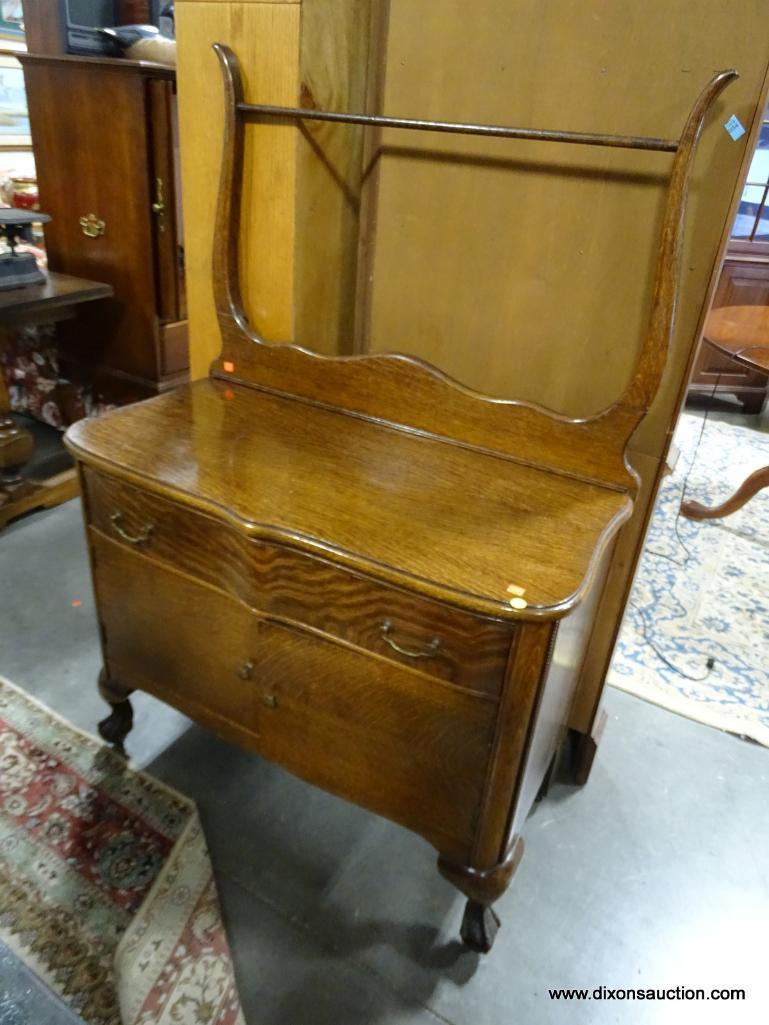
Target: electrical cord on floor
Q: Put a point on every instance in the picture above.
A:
(710, 663)
(663, 658)
(684, 486)
(676, 562)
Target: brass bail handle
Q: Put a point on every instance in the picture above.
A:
(144, 534)
(386, 630)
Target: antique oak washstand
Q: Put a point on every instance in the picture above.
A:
(360, 569)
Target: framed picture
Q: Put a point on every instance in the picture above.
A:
(14, 118)
(11, 21)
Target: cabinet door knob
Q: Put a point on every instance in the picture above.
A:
(92, 226)
(269, 701)
(246, 671)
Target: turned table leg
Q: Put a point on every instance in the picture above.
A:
(116, 727)
(755, 483)
(482, 887)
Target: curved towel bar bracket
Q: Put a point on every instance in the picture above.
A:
(376, 385)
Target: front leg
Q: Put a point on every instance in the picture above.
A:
(116, 727)
(482, 887)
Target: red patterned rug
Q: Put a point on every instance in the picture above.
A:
(106, 889)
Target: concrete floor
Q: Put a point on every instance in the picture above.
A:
(655, 874)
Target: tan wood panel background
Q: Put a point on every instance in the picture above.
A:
(265, 35)
(546, 270)
(334, 65)
(302, 187)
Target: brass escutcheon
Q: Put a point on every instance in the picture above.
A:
(92, 226)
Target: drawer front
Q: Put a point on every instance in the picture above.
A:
(469, 651)
(358, 726)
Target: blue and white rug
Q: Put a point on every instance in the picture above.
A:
(713, 603)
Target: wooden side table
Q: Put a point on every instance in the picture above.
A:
(742, 334)
(54, 300)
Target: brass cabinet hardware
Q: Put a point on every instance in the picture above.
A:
(132, 539)
(246, 671)
(387, 628)
(269, 701)
(159, 206)
(92, 226)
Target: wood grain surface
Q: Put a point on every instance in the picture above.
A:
(282, 582)
(434, 517)
(742, 333)
(59, 292)
(353, 724)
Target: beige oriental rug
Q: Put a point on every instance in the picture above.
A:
(695, 638)
(106, 888)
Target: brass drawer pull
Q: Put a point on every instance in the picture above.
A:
(246, 671)
(132, 539)
(92, 226)
(387, 628)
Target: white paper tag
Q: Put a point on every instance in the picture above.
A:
(734, 127)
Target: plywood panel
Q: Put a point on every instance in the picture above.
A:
(534, 282)
(334, 62)
(266, 38)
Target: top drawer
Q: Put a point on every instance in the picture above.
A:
(470, 651)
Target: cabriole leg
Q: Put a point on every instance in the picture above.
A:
(482, 887)
(116, 727)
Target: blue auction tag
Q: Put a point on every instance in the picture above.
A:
(734, 127)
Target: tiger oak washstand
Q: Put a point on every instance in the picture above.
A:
(358, 568)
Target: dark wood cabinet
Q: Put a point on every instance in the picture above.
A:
(743, 282)
(104, 139)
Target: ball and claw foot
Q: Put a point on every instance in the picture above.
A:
(479, 926)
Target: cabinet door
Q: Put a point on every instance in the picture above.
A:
(89, 129)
